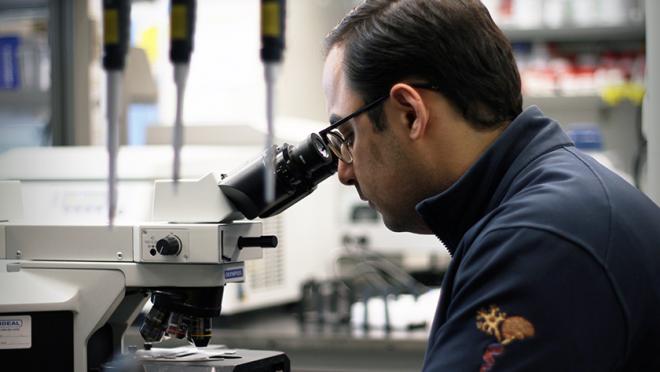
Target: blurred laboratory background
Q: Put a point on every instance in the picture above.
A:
(341, 292)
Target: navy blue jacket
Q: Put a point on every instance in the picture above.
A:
(556, 261)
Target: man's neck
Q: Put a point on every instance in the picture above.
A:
(456, 150)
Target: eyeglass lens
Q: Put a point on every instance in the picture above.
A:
(338, 146)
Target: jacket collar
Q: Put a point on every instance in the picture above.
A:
(451, 213)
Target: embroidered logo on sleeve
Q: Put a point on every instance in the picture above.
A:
(505, 329)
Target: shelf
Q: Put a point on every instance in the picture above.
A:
(578, 34)
(24, 99)
(11, 5)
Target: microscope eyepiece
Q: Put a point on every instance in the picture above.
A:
(310, 154)
(298, 170)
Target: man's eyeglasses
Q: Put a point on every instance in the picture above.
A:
(340, 141)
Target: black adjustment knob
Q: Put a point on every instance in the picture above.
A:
(265, 241)
(169, 246)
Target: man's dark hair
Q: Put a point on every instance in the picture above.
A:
(453, 44)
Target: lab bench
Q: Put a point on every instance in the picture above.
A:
(314, 347)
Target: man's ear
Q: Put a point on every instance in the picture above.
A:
(412, 109)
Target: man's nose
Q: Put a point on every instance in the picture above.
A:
(345, 173)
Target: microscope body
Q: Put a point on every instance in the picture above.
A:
(70, 292)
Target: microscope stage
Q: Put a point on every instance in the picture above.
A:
(214, 358)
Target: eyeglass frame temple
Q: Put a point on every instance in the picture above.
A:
(351, 116)
(371, 105)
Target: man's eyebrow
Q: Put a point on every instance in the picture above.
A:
(334, 118)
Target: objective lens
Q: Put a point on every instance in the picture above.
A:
(153, 327)
(178, 325)
(200, 331)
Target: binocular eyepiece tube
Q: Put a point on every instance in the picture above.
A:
(298, 169)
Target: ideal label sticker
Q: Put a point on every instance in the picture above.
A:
(15, 332)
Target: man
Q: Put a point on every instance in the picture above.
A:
(556, 260)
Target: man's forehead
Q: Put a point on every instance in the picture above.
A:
(335, 86)
(333, 71)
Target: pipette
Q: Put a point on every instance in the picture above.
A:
(272, 48)
(116, 19)
(182, 29)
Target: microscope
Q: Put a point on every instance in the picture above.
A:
(69, 293)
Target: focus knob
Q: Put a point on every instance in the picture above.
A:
(169, 246)
(264, 241)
